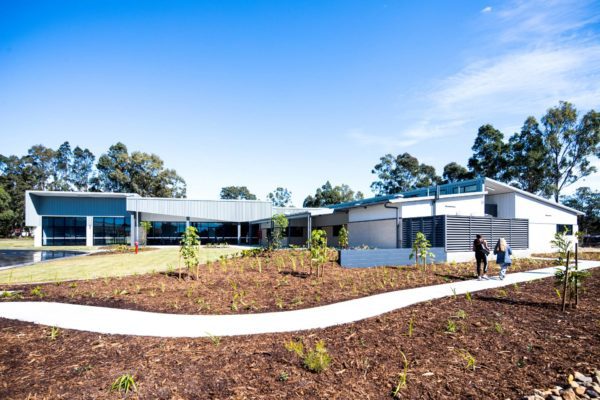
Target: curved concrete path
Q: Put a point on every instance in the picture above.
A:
(141, 323)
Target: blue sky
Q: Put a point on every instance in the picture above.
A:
(288, 93)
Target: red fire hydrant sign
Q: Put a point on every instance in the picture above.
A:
(136, 247)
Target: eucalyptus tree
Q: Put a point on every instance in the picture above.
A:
(280, 197)
(236, 193)
(328, 195)
(571, 144)
(402, 173)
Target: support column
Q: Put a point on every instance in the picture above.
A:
(37, 235)
(308, 230)
(239, 233)
(89, 231)
(134, 229)
(187, 222)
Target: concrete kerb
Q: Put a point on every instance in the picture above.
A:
(128, 322)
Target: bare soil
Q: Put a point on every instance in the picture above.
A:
(517, 336)
(273, 282)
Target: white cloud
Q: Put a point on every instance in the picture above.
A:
(562, 62)
(487, 9)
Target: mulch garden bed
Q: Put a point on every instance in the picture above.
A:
(516, 336)
(272, 282)
(582, 255)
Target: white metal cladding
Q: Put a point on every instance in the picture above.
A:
(213, 210)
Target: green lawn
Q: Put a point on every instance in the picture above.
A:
(99, 266)
(27, 244)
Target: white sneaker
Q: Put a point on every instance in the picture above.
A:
(485, 277)
(479, 278)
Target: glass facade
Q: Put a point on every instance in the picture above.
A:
(63, 231)
(165, 233)
(169, 233)
(111, 230)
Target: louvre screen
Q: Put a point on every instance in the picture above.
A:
(432, 227)
(462, 230)
(456, 233)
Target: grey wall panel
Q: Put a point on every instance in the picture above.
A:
(379, 234)
(339, 218)
(355, 258)
(79, 206)
(214, 210)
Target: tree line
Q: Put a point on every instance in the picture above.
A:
(75, 169)
(542, 158)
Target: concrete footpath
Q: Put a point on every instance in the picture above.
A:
(127, 322)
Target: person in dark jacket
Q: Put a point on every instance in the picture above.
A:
(481, 249)
(503, 253)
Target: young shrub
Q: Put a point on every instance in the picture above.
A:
(343, 238)
(469, 359)
(280, 224)
(562, 244)
(283, 376)
(575, 281)
(146, 226)
(124, 383)
(498, 327)
(296, 347)
(401, 378)
(318, 250)
(420, 249)
(37, 292)
(190, 249)
(451, 326)
(54, 333)
(318, 359)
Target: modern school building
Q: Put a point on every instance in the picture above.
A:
(449, 215)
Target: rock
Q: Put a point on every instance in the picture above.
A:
(554, 397)
(592, 393)
(580, 390)
(574, 384)
(582, 378)
(556, 391)
(597, 376)
(569, 394)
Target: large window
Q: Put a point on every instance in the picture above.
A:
(63, 231)
(218, 232)
(111, 230)
(166, 233)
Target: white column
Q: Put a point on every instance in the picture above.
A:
(37, 235)
(89, 231)
(239, 234)
(134, 229)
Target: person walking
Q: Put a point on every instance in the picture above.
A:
(503, 253)
(481, 249)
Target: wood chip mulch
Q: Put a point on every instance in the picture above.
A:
(517, 337)
(276, 282)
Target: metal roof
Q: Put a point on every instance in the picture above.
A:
(498, 187)
(52, 193)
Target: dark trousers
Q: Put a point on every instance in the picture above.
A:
(481, 258)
